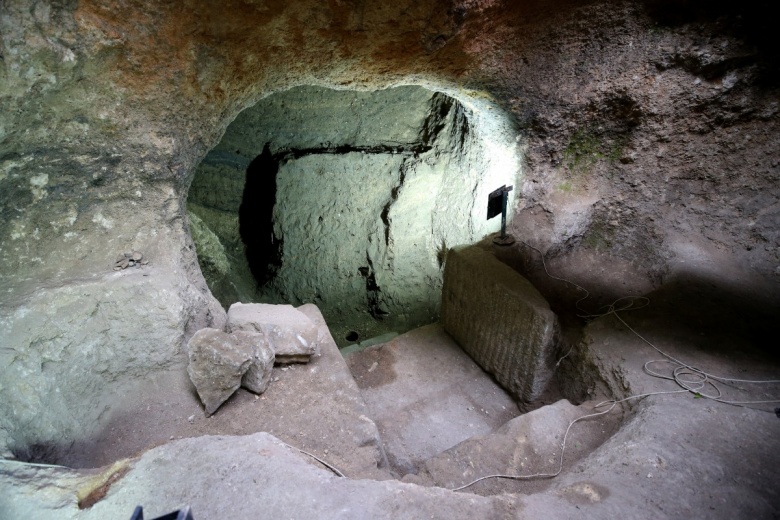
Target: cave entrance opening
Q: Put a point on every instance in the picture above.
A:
(348, 200)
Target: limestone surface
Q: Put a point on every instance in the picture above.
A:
(530, 443)
(673, 457)
(363, 210)
(500, 320)
(426, 395)
(258, 475)
(649, 130)
(290, 333)
(218, 362)
(258, 376)
(58, 371)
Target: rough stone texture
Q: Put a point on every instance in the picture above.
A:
(364, 209)
(316, 120)
(58, 373)
(108, 107)
(316, 407)
(675, 456)
(525, 445)
(258, 376)
(290, 333)
(500, 320)
(212, 256)
(426, 395)
(218, 362)
(258, 475)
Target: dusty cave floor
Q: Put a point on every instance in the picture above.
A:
(665, 456)
(380, 414)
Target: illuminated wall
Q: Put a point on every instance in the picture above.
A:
(348, 200)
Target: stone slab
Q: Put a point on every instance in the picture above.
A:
(426, 395)
(290, 333)
(526, 445)
(500, 320)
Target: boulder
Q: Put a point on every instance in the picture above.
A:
(218, 363)
(258, 376)
(289, 332)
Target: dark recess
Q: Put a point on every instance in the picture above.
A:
(255, 218)
(749, 20)
(373, 292)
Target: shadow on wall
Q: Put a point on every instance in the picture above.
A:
(255, 217)
(728, 315)
(746, 21)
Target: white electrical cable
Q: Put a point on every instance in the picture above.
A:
(544, 265)
(612, 404)
(329, 466)
(683, 372)
(628, 303)
(694, 386)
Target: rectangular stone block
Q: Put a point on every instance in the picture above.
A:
(289, 332)
(500, 320)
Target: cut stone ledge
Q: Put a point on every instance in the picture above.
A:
(500, 320)
(289, 332)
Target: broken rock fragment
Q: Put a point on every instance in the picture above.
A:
(218, 363)
(289, 332)
(258, 376)
(125, 260)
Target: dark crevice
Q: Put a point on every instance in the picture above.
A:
(287, 154)
(385, 215)
(373, 291)
(219, 157)
(437, 118)
(38, 453)
(463, 130)
(255, 217)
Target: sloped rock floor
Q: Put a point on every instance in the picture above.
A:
(664, 456)
(426, 395)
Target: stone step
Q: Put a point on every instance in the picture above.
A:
(426, 395)
(526, 445)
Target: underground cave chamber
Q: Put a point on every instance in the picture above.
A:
(349, 200)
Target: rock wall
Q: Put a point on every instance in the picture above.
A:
(651, 131)
(370, 190)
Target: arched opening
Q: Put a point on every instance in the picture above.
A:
(348, 200)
